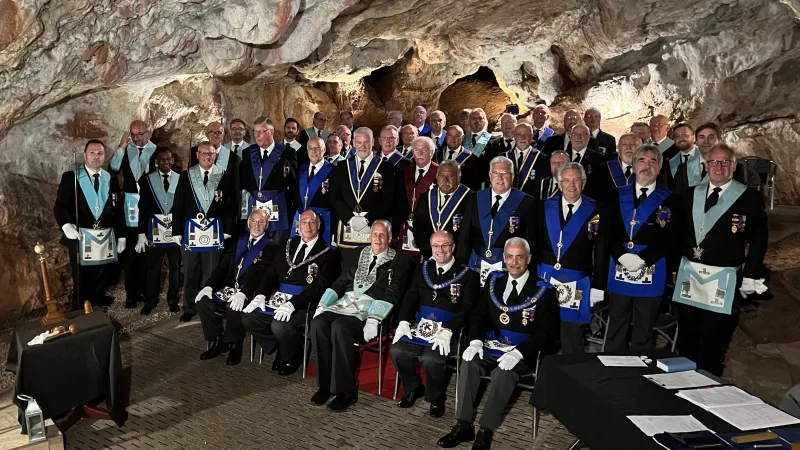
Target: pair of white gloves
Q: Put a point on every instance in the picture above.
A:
(441, 341)
(71, 232)
(508, 361)
(141, 243)
(236, 303)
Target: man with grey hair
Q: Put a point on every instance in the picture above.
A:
(318, 129)
(469, 162)
(530, 165)
(514, 322)
(592, 118)
(394, 118)
(350, 311)
(412, 183)
(563, 141)
(407, 135)
(499, 213)
(478, 138)
(581, 152)
(643, 227)
(419, 116)
(548, 187)
(642, 129)
(573, 253)
(388, 149)
(437, 131)
(314, 187)
(616, 173)
(347, 140)
(659, 127)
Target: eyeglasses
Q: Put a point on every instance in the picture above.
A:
(719, 162)
(500, 174)
(523, 135)
(261, 222)
(138, 135)
(238, 129)
(206, 153)
(214, 133)
(321, 119)
(442, 247)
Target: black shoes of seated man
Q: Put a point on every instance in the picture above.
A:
(320, 397)
(462, 431)
(186, 317)
(215, 348)
(235, 355)
(343, 400)
(483, 441)
(437, 406)
(410, 398)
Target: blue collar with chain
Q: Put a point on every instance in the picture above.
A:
(436, 287)
(530, 301)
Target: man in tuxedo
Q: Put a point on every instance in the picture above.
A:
(314, 187)
(350, 312)
(418, 119)
(412, 183)
(334, 149)
(685, 167)
(471, 166)
(725, 234)
(437, 131)
(227, 160)
(592, 118)
(407, 135)
(290, 286)
(514, 322)
(505, 142)
(643, 255)
(710, 134)
(99, 214)
(347, 139)
(237, 131)
(659, 127)
(318, 129)
(346, 119)
(394, 118)
(563, 141)
(389, 152)
(291, 128)
(642, 129)
(582, 153)
(616, 172)
(437, 304)
(548, 187)
(530, 165)
(573, 256)
(541, 129)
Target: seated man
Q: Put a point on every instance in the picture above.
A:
(515, 320)
(349, 313)
(438, 302)
(234, 281)
(293, 284)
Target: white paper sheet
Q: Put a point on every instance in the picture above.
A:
(621, 361)
(681, 380)
(652, 425)
(720, 396)
(754, 417)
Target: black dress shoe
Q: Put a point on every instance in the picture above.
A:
(342, 401)
(146, 310)
(276, 364)
(437, 406)
(462, 432)
(235, 355)
(483, 440)
(287, 369)
(216, 348)
(320, 397)
(186, 317)
(410, 398)
(174, 308)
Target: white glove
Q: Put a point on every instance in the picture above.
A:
(509, 360)
(71, 231)
(442, 341)
(205, 292)
(475, 348)
(631, 261)
(370, 329)
(39, 339)
(259, 302)
(403, 329)
(141, 243)
(596, 296)
(121, 244)
(318, 311)
(751, 286)
(177, 239)
(226, 236)
(237, 301)
(284, 312)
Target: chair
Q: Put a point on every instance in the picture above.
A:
(599, 325)
(765, 169)
(663, 324)
(306, 339)
(369, 346)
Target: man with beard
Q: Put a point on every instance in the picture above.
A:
(407, 135)
(437, 128)
(541, 129)
(291, 128)
(548, 187)
(453, 150)
(412, 183)
(318, 129)
(615, 173)
(238, 129)
(708, 135)
(419, 116)
(592, 119)
(686, 167)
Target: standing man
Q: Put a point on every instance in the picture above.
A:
(643, 229)
(291, 128)
(314, 189)
(389, 153)
(541, 128)
(318, 129)
(469, 163)
(411, 185)
(407, 135)
(437, 128)
(581, 152)
(548, 187)
(642, 129)
(394, 118)
(563, 141)
(90, 237)
(659, 126)
(133, 159)
(334, 147)
(592, 119)
(573, 254)
(203, 212)
(269, 178)
(530, 165)
(478, 138)
(420, 114)
(504, 143)
(238, 130)
(499, 213)
(346, 119)
(350, 311)
(347, 140)
(463, 122)
(686, 167)
(437, 304)
(156, 231)
(616, 173)
(226, 160)
(725, 237)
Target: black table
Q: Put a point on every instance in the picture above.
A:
(72, 371)
(593, 401)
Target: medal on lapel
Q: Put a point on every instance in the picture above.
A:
(377, 182)
(325, 186)
(113, 199)
(663, 216)
(525, 316)
(217, 196)
(313, 268)
(532, 175)
(391, 272)
(455, 292)
(698, 252)
(594, 226)
(737, 223)
(456, 222)
(513, 224)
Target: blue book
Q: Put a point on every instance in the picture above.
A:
(678, 364)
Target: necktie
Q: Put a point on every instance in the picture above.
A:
(419, 177)
(474, 139)
(450, 154)
(577, 157)
(496, 205)
(166, 182)
(311, 175)
(372, 264)
(251, 243)
(385, 159)
(535, 135)
(569, 213)
(520, 159)
(513, 297)
(236, 148)
(508, 145)
(627, 171)
(140, 150)
(643, 195)
(446, 198)
(96, 182)
(703, 172)
(205, 178)
(441, 271)
(362, 169)
(301, 254)
(685, 159)
(319, 133)
(713, 198)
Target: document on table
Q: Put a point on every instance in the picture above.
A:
(681, 380)
(621, 361)
(651, 425)
(754, 417)
(720, 396)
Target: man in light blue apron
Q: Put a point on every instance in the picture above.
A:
(478, 138)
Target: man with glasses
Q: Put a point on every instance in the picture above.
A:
(437, 130)
(389, 152)
(238, 130)
(563, 141)
(317, 129)
(530, 165)
(548, 187)
(227, 160)
(314, 189)
(616, 173)
(420, 115)
(498, 213)
(431, 316)
(581, 152)
(415, 181)
(723, 248)
(659, 127)
(469, 163)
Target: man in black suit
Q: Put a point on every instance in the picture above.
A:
(290, 286)
(412, 184)
(498, 213)
(643, 255)
(437, 303)
(99, 212)
(333, 149)
(592, 118)
(530, 165)
(617, 172)
(346, 118)
(562, 141)
(642, 129)
(314, 189)
(350, 311)
(233, 284)
(580, 152)
(685, 167)
(268, 177)
(438, 122)
(408, 133)
(238, 130)
(504, 143)
(227, 160)
(203, 217)
(573, 255)
(318, 129)
(347, 140)
(725, 231)
(541, 130)
(548, 187)
(659, 128)
(388, 150)
(472, 168)
(514, 322)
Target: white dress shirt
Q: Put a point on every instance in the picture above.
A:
(266, 151)
(91, 172)
(724, 188)
(520, 284)
(581, 152)
(309, 245)
(503, 197)
(565, 208)
(256, 239)
(446, 266)
(649, 190)
(424, 171)
(317, 167)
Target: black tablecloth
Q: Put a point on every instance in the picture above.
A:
(593, 401)
(69, 371)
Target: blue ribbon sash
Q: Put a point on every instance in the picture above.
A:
(618, 175)
(572, 229)
(261, 172)
(309, 189)
(703, 222)
(164, 199)
(505, 338)
(96, 201)
(283, 294)
(441, 216)
(427, 325)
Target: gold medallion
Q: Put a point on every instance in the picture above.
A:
(259, 194)
(524, 322)
(557, 266)
(504, 319)
(511, 229)
(309, 279)
(357, 209)
(734, 228)
(488, 253)
(630, 245)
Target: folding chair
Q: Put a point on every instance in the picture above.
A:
(600, 321)
(305, 326)
(765, 169)
(663, 324)
(369, 346)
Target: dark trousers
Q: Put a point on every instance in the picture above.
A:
(154, 256)
(211, 319)
(572, 337)
(705, 336)
(434, 365)
(503, 384)
(133, 264)
(334, 337)
(266, 330)
(197, 268)
(92, 283)
(621, 309)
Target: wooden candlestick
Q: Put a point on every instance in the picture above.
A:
(53, 316)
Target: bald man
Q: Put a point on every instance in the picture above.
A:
(541, 127)
(562, 141)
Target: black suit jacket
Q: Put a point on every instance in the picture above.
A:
(556, 142)
(420, 294)
(224, 274)
(543, 329)
(234, 161)
(592, 160)
(423, 228)
(377, 205)
(541, 189)
(472, 175)
(184, 206)
(601, 185)
(392, 292)
(680, 182)
(402, 208)
(608, 142)
(64, 208)
(129, 182)
(401, 165)
(282, 178)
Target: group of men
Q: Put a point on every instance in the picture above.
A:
(499, 246)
